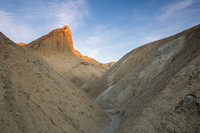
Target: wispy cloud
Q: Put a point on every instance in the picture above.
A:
(151, 38)
(105, 40)
(96, 39)
(169, 10)
(14, 27)
(71, 13)
(91, 52)
(90, 46)
(100, 41)
(50, 15)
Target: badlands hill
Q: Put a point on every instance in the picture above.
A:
(154, 88)
(36, 99)
(57, 49)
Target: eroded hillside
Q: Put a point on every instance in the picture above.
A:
(35, 98)
(154, 88)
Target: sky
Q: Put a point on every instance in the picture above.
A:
(102, 29)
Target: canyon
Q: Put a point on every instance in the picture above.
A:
(48, 86)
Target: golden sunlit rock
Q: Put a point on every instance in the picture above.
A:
(21, 43)
(57, 49)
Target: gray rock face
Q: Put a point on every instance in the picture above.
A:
(154, 88)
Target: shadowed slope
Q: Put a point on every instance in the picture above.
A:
(154, 88)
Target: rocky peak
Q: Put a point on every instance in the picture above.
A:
(21, 43)
(57, 49)
(58, 41)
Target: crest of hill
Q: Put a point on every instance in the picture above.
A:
(154, 88)
(35, 98)
(57, 49)
(58, 41)
(21, 43)
(64, 45)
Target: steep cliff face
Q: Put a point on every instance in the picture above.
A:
(57, 42)
(57, 49)
(154, 88)
(35, 98)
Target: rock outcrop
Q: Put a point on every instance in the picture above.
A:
(21, 43)
(35, 98)
(154, 88)
(57, 49)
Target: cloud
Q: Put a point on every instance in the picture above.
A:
(151, 38)
(43, 18)
(14, 27)
(175, 7)
(91, 52)
(89, 46)
(94, 40)
(101, 42)
(71, 13)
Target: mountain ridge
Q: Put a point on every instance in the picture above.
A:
(154, 88)
(57, 49)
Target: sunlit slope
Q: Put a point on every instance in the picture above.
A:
(57, 49)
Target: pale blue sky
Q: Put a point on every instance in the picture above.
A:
(103, 29)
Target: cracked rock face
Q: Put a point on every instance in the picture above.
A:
(35, 98)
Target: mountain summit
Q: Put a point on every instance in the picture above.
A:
(57, 49)
(58, 41)
(21, 43)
